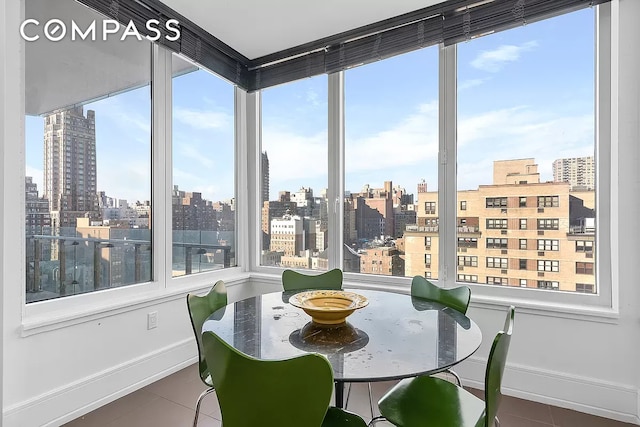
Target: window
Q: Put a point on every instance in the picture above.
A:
(468, 278)
(584, 246)
(202, 214)
(391, 144)
(294, 206)
(496, 202)
(584, 268)
(467, 242)
(427, 275)
(585, 288)
(427, 242)
(463, 205)
(546, 265)
(427, 260)
(548, 224)
(496, 243)
(527, 169)
(87, 203)
(468, 261)
(548, 201)
(545, 284)
(523, 264)
(496, 223)
(548, 245)
(497, 262)
(430, 208)
(523, 283)
(497, 280)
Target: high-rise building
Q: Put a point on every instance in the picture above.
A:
(70, 172)
(517, 231)
(579, 172)
(265, 177)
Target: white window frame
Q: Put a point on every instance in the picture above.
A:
(603, 305)
(61, 312)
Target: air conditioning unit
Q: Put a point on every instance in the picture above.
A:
(540, 232)
(503, 271)
(540, 210)
(540, 253)
(503, 252)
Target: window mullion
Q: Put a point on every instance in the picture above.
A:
(447, 194)
(161, 163)
(335, 163)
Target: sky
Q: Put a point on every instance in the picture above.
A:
(525, 92)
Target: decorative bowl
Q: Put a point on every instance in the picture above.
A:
(327, 307)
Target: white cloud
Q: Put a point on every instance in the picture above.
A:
(517, 133)
(468, 84)
(193, 153)
(494, 60)
(203, 119)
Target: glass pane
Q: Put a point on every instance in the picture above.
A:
(203, 202)
(526, 168)
(88, 160)
(391, 194)
(294, 175)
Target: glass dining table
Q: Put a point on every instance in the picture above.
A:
(395, 336)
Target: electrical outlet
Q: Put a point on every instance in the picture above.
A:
(152, 320)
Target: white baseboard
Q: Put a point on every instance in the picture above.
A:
(59, 406)
(584, 394)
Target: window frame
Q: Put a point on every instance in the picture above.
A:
(601, 303)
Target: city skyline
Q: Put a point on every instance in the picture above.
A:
(493, 123)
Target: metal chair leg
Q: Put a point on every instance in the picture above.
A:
(371, 401)
(346, 400)
(456, 376)
(202, 395)
(497, 422)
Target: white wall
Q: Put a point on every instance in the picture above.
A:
(56, 374)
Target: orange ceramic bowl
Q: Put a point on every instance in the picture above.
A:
(327, 307)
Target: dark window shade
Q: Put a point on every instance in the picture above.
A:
(195, 43)
(351, 53)
(450, 22)
(462, 24)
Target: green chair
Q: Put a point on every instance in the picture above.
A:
(199, 309)
(456, 298)
(428, 401)
(291, 392)
(294, 281)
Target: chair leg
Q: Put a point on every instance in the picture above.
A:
(346, 400)
(497, 422)
(456, 376)
(373, 415)
(202, 395)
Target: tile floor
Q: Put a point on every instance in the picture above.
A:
(170, 402)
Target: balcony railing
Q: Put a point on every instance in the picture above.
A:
(59, 266)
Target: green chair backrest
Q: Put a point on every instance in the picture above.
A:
(199, 309)
(292, 280)
(251, 392)
(495, 369)
(456, 298)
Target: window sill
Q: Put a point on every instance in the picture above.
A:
(52, 318)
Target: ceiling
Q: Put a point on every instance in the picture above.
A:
(256, 28)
